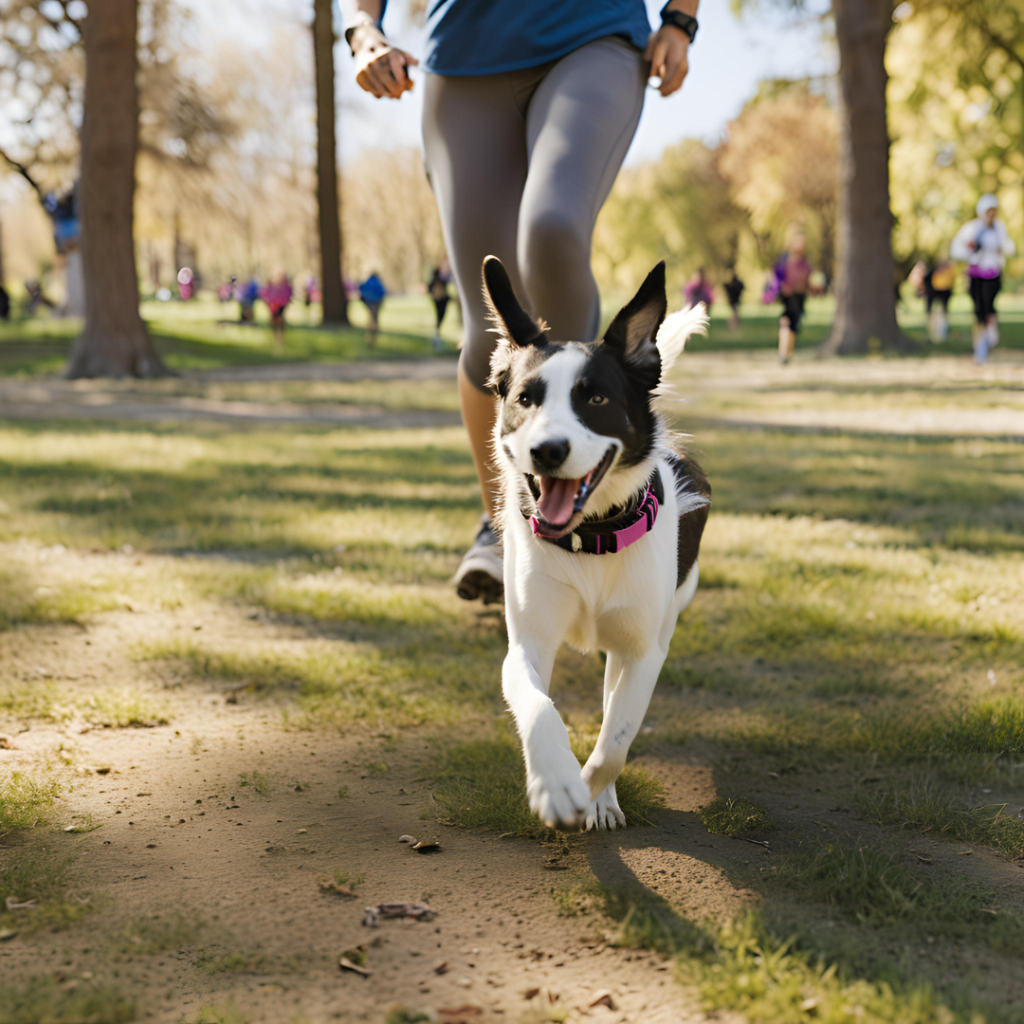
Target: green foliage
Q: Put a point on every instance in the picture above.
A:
(755, 973)
(256, 781)
(45, 998)
(32, 874)
(728, 816)
(937, 810)
(149, 935)
(240, 962)
(24, 802)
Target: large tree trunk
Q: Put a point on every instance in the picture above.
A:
(335, 309)
(865, 285)
(115, 342)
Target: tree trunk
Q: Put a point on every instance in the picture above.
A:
(335, 303)
(115, 342)
(865, 285)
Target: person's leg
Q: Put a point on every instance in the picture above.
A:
(579, 124)
(473, 134)
(991, 291)
(787, 340)
(980, 334)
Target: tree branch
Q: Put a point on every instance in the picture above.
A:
(25, 173)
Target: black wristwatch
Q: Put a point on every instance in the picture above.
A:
(684, 22)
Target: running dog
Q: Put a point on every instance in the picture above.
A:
(602, 519)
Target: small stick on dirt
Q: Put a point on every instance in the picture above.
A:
(347, 965)
(756, 842)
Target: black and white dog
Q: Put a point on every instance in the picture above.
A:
(601, 523)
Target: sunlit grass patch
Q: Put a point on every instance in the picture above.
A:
(110, 708)
(336, 684)
(922, 805)
(24, 802)
(875, 886)
(229, 1014)
(482, 784)
(28, 700)
(31, 874)
(149, 935)
(47, 998)
(239, 962)
(736, 816)
(126, 708)
(753, 972)
(255, 781)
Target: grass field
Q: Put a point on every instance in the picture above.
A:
(202, 334)
(205, 625)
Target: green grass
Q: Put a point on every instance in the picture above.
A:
(752, 972)
(32, 872)
(482, 784)
(55, 1001)
(735, 816)
(148, 936)
(24, 801)
(923, 805)
(255, 781)
(108, 708)
(240, 962)
(202, 335)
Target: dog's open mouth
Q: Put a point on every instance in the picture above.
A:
(560, 498)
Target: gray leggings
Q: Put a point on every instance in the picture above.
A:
(520, 163)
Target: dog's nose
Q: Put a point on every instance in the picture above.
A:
(550, 455)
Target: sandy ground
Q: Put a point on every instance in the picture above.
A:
(878, 401)
(178, 835)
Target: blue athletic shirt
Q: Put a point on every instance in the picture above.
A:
(486, 37)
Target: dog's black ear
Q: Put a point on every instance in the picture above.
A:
(511, 320)
(633, 333)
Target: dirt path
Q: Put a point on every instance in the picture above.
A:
(177, 833)
(940, 396)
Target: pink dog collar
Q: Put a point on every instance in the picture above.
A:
(617, 532)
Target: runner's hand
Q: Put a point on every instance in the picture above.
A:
(380, 68)
(667, 51)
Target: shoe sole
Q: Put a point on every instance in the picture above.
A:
(479, 585)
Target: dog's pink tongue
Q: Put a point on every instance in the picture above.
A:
(556, 499)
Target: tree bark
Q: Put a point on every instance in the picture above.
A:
(335, 302)
(865, 285)
(114, 342)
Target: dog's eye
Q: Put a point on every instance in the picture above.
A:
(598, 400)
(524, 400)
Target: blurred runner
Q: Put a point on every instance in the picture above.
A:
(185, 279)
(277, 294)
(698, 289)
(984, 243)
(792, 282)
(372, 292)
(438, 288)
(734, 289)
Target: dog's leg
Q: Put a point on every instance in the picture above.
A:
(554, 786)
(625, 707)
(604, 811)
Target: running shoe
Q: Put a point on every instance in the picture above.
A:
(480, 574)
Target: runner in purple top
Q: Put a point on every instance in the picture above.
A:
(792, 282)
(984, 243)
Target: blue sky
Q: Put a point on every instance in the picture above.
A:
(727, 61)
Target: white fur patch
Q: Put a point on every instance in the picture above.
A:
(674, 332)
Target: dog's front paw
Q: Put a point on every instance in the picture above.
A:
(604, 812)
(558, 794)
